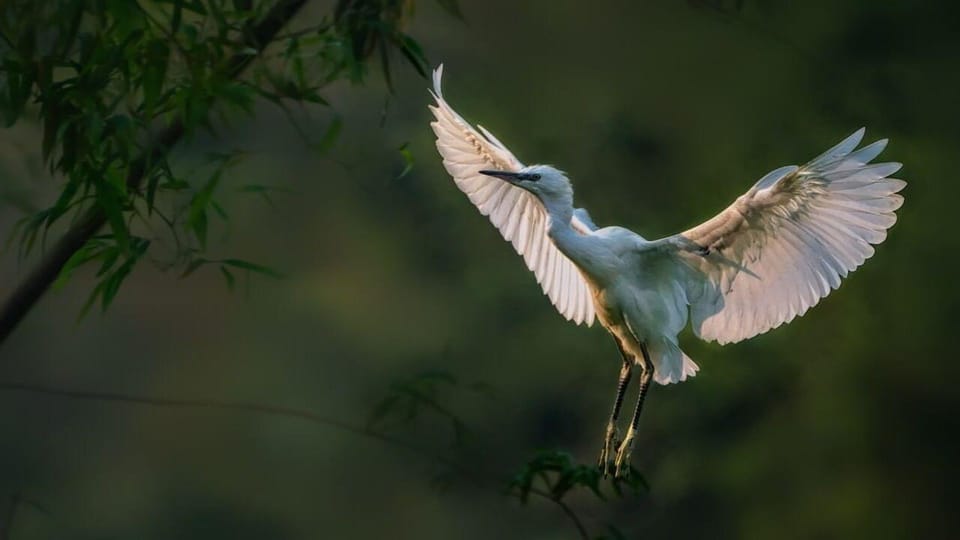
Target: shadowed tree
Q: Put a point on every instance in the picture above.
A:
(116, 86)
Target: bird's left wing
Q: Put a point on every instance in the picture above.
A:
(787, 242)
(517, 214)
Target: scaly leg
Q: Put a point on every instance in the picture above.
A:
(610, 441)
(622, 462)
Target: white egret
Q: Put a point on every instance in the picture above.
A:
(765, 259)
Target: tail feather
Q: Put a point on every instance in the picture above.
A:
(670, 363)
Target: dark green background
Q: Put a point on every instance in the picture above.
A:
(841, 425)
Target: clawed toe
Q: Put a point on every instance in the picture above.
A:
(621, 464)
(608, 452)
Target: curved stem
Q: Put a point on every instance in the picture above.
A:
(573, 517)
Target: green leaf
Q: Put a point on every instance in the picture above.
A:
(385, 65)
(112, 205)
(228, 276)
(70, 190)
(109, 256)
(114, 280)
(253, 267)
(407, 156)
(311, 95)
(452, 7)
(154, 73)
(413, 53)
(176, 17)
(381, 410)
(157, 172)
(107, 288)
(90, 300)
(195, 6)
(29, 227)
(238, 95)
(330, 136)
(193, 266)
(197, 215)
(51, 127)
(262, 191)
(615, 534)
(219, 210)
(90, 251)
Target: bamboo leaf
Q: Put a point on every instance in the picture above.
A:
(408, 161)
(253, 267)
(330, 136)
(193, 266)
(228, 276)
(452, 7)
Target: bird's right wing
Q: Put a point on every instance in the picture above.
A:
(787, 242)
(517, 214)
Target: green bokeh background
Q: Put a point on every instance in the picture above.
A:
(843, 424)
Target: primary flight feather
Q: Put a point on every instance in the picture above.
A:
(764, 260)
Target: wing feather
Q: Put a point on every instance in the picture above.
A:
(517, 214)
(789, 241)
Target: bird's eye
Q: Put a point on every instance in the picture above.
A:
(534, 177)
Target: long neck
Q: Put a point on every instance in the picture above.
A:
(559, 210)
(573, 244)
(588, 252)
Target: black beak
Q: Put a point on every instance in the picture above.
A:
(503, 175)
(512, 177)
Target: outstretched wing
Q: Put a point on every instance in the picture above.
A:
(786, 243)
(517, 214)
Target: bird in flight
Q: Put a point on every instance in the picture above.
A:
(764, 260)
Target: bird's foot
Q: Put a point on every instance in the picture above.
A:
(621, 465)
(608, 452)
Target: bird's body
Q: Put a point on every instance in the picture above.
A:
(636, 295)
(761, 262)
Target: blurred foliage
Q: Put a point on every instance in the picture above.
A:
(103, 77)
(553, 475)
(559, 474)
(407, 398)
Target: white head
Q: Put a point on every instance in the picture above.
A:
(547, 183)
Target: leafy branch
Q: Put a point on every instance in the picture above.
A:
(73, 118)
(116, 86)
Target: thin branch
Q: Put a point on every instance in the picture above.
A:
(271, 410)
(6, 39)
(26, 295)
(571, 514)
(470, 474)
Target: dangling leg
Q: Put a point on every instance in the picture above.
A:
(610, 441)
(622, 462)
